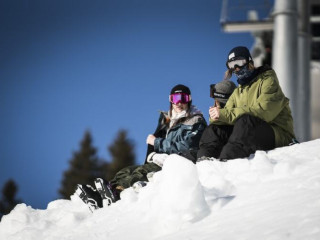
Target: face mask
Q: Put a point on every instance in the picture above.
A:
(244, 72)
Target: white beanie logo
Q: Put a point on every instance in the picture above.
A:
(232, 55)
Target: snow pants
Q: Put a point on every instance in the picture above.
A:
(248, 135)
(127, 176)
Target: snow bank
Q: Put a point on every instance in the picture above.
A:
(272, 195)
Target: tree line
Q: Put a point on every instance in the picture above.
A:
(84, 166)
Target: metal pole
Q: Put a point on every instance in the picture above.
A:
(224, 12)
(303, 87)
(285, 45)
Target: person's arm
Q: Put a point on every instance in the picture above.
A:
(230, 104)
(267, 106)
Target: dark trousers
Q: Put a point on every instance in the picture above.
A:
(127, 176)
(248, 135)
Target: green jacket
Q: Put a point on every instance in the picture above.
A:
(262, 98)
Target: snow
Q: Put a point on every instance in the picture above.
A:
(270, 195)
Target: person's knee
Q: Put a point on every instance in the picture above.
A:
(244, 118)
(247, 119)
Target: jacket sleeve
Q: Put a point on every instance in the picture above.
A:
(189, 139)
(267, 105)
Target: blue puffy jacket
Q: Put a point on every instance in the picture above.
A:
(184, 135)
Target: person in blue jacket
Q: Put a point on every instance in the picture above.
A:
(179, 131)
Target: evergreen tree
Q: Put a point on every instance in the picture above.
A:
(122, 152)
(84, 167)
(8, 201)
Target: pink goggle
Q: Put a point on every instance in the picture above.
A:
(179, 98)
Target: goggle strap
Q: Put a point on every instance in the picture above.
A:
(220, 95)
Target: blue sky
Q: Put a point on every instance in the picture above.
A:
(102, 65)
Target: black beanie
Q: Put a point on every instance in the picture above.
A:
(239, 52)
(180, 89)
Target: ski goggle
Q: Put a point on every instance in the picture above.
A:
(236, 63)
(179, 98)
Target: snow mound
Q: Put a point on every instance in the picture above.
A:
(270, 195)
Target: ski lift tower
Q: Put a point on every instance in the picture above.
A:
(251, 16)
(274, 25)
(242, 16)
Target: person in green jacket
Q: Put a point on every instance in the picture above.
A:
(257, 110)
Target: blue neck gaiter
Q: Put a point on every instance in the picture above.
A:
(244, 75)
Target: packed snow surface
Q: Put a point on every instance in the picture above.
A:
(270, 195)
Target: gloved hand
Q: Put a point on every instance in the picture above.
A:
(149, 158)
(157, 158)
(200, 159)
(203, 158)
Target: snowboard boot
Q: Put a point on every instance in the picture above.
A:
(106, 192)
(89, 196)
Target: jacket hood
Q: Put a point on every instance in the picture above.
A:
(191, 112)
(263, 69)
(192, 116)
(194, 111)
